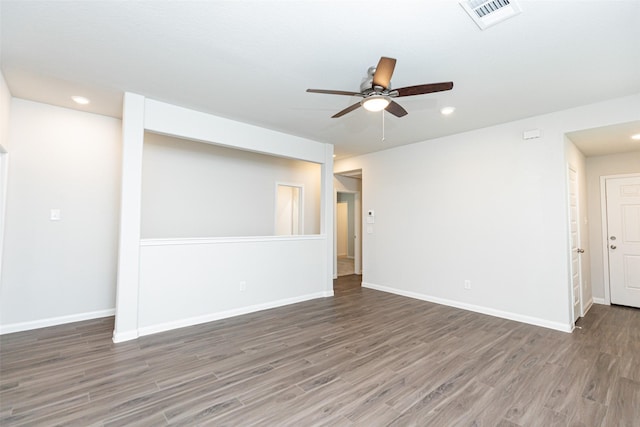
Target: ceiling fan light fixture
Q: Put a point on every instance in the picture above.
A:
(375, 102)
(636, 137)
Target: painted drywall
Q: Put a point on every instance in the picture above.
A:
(484, 206)
(596, 167)
(576, 159)
(5, 108)
(194, 189)
(347, 184)
(186, 282)
(57, 271)
(342, 220)
(5, 114)
(170, 283)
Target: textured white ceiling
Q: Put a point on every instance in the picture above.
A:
(252, 60)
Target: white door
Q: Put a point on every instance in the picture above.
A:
(623, 239)
(576, 251)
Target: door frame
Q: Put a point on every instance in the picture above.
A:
(301, 212)
(581, 310)
(605, 231)
(357, 224)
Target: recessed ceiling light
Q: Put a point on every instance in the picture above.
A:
(636, 137)
(447, 110)
(80, 100)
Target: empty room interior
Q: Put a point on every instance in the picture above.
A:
(320, 213)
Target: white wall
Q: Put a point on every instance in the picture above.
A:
(59, 271)
(194, 189)
(346, 183)
(5, 108)
(185, 282)
(484, 206)
(596, 167)
(576, 159)
(5, 114)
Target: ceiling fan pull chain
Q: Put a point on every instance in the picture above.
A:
(382, 111)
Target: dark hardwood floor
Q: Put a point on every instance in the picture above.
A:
(362, 357)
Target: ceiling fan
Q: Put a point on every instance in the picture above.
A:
(376, 91)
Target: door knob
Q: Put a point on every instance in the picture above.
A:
(613, 246)
(580, 251)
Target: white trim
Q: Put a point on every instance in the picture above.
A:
(574, 169)
(55, 321)
(476, 308)
(605, 234)
(605, 239)
(167, 326)
(124, 336)
(587, 307)
(600, 301)
(219, 240)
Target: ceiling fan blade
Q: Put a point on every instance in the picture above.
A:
(422, 89)
(334, 92)
(346, 110)
(396, 109)
(384, 71)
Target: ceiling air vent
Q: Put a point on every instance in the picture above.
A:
(487, 13)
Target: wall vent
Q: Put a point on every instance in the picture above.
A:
(487, 13)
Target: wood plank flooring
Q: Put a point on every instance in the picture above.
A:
(363, 358)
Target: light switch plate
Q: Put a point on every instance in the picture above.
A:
(55, 215)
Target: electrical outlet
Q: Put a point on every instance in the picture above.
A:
(467, 284)
(243, 286)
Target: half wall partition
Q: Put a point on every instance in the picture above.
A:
(198, 241)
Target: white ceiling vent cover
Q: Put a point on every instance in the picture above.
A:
(487, 13)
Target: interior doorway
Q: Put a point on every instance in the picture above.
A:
(346, 233)
(289, 209)
(348, 224)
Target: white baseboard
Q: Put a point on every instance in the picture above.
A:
(54, 321)
(124, 336)
(600, 301)
(167, 326)
(476, 308)
(587, 306)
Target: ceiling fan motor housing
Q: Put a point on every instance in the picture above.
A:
(367, 83)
